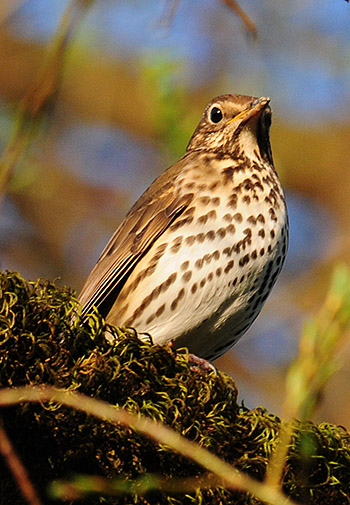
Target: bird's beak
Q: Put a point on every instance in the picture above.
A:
(256, 107)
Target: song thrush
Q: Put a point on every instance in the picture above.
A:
(197, 255)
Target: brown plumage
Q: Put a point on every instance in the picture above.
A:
(198, 253)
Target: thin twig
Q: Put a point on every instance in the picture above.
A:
(37, 100)
(248, 23)
(169, 13)
(17, 469)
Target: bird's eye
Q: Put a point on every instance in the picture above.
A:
(215, 115)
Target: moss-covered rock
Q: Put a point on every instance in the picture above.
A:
(40, 344)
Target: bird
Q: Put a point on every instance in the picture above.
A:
(198, 253)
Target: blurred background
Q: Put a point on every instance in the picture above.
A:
(98, 97)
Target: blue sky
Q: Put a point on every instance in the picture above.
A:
(301, 58)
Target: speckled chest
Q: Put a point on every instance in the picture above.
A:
(212, 269)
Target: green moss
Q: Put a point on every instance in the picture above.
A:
(39, 344)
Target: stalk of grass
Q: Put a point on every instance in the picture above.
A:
(322, 337)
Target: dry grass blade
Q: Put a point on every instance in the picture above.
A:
(231, 477)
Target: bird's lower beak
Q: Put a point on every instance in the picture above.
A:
(256, 107)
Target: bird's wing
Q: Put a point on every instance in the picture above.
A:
(151, 215)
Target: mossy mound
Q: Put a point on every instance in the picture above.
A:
(39, 344)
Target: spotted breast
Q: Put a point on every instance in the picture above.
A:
(197, 255)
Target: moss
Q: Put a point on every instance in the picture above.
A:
(39, 344)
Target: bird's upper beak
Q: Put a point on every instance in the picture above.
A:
(256, 107)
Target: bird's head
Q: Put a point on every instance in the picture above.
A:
(235, 123)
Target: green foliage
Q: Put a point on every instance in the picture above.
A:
(321, 338)
(41, 342)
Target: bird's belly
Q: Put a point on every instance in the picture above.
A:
(204, 285)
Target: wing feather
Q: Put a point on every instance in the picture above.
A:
(152, 214)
